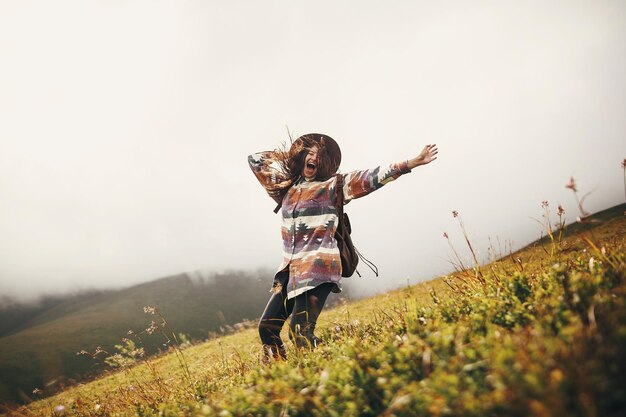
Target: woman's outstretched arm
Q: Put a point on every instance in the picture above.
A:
(360, 183)
(428, 154)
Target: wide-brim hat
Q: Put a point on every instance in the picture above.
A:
(329, 144)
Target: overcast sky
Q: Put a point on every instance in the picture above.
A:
(125, 128)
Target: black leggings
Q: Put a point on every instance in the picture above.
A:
(304, 310)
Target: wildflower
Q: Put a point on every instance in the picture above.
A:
(571, 184)
(591, 263)
(560, 210)
(152, 328)
(455, 214)
(556, 376)
(324, 376)
(400, 402)
(130, 333)
(83, 352)
(96, 407)
(59, 410)
(149, 310)
(544, 204)
(445, 235)
(37, 391)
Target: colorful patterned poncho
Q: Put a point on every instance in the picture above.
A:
(309, 217)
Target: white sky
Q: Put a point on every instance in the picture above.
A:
(125, 127)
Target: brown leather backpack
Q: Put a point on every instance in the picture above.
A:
(349, 254)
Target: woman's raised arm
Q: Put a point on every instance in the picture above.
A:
(360, 183)
(268, 170)
(428, 154)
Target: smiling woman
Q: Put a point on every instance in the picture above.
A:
(316, 153)
(303, 183)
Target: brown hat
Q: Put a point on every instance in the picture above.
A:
(329, 144)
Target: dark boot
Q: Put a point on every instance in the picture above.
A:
(304, 337)
(274, 353)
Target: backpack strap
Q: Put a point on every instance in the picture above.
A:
(279, 199)
(339, 195)
(369, 263)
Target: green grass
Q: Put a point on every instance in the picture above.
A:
(542, 333)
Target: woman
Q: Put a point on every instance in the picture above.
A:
(302, 181)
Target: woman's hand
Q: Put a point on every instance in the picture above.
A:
(428, 154)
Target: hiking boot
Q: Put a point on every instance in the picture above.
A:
(274, 353)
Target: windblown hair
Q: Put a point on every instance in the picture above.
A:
(292, 160)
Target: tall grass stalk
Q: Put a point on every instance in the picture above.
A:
(477, 270)
(546, 224)
(624, 169)
(571, 184)
(165, 332)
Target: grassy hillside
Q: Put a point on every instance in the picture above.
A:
(538, 333)
(15, 314)
(43, 350)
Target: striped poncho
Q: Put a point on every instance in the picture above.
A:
(309, 218)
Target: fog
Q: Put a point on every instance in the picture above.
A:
(125, 129)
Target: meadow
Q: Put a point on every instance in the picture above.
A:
(538, 332)
(40, 350)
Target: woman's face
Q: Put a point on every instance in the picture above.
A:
(311, 162)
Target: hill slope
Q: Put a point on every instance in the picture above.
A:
(542, 333)
(44, 348)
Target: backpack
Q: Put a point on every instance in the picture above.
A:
(349, 254)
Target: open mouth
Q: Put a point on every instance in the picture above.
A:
(311, 165)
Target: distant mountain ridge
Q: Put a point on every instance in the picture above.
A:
(16, 314)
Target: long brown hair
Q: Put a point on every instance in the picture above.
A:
(292, 160)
